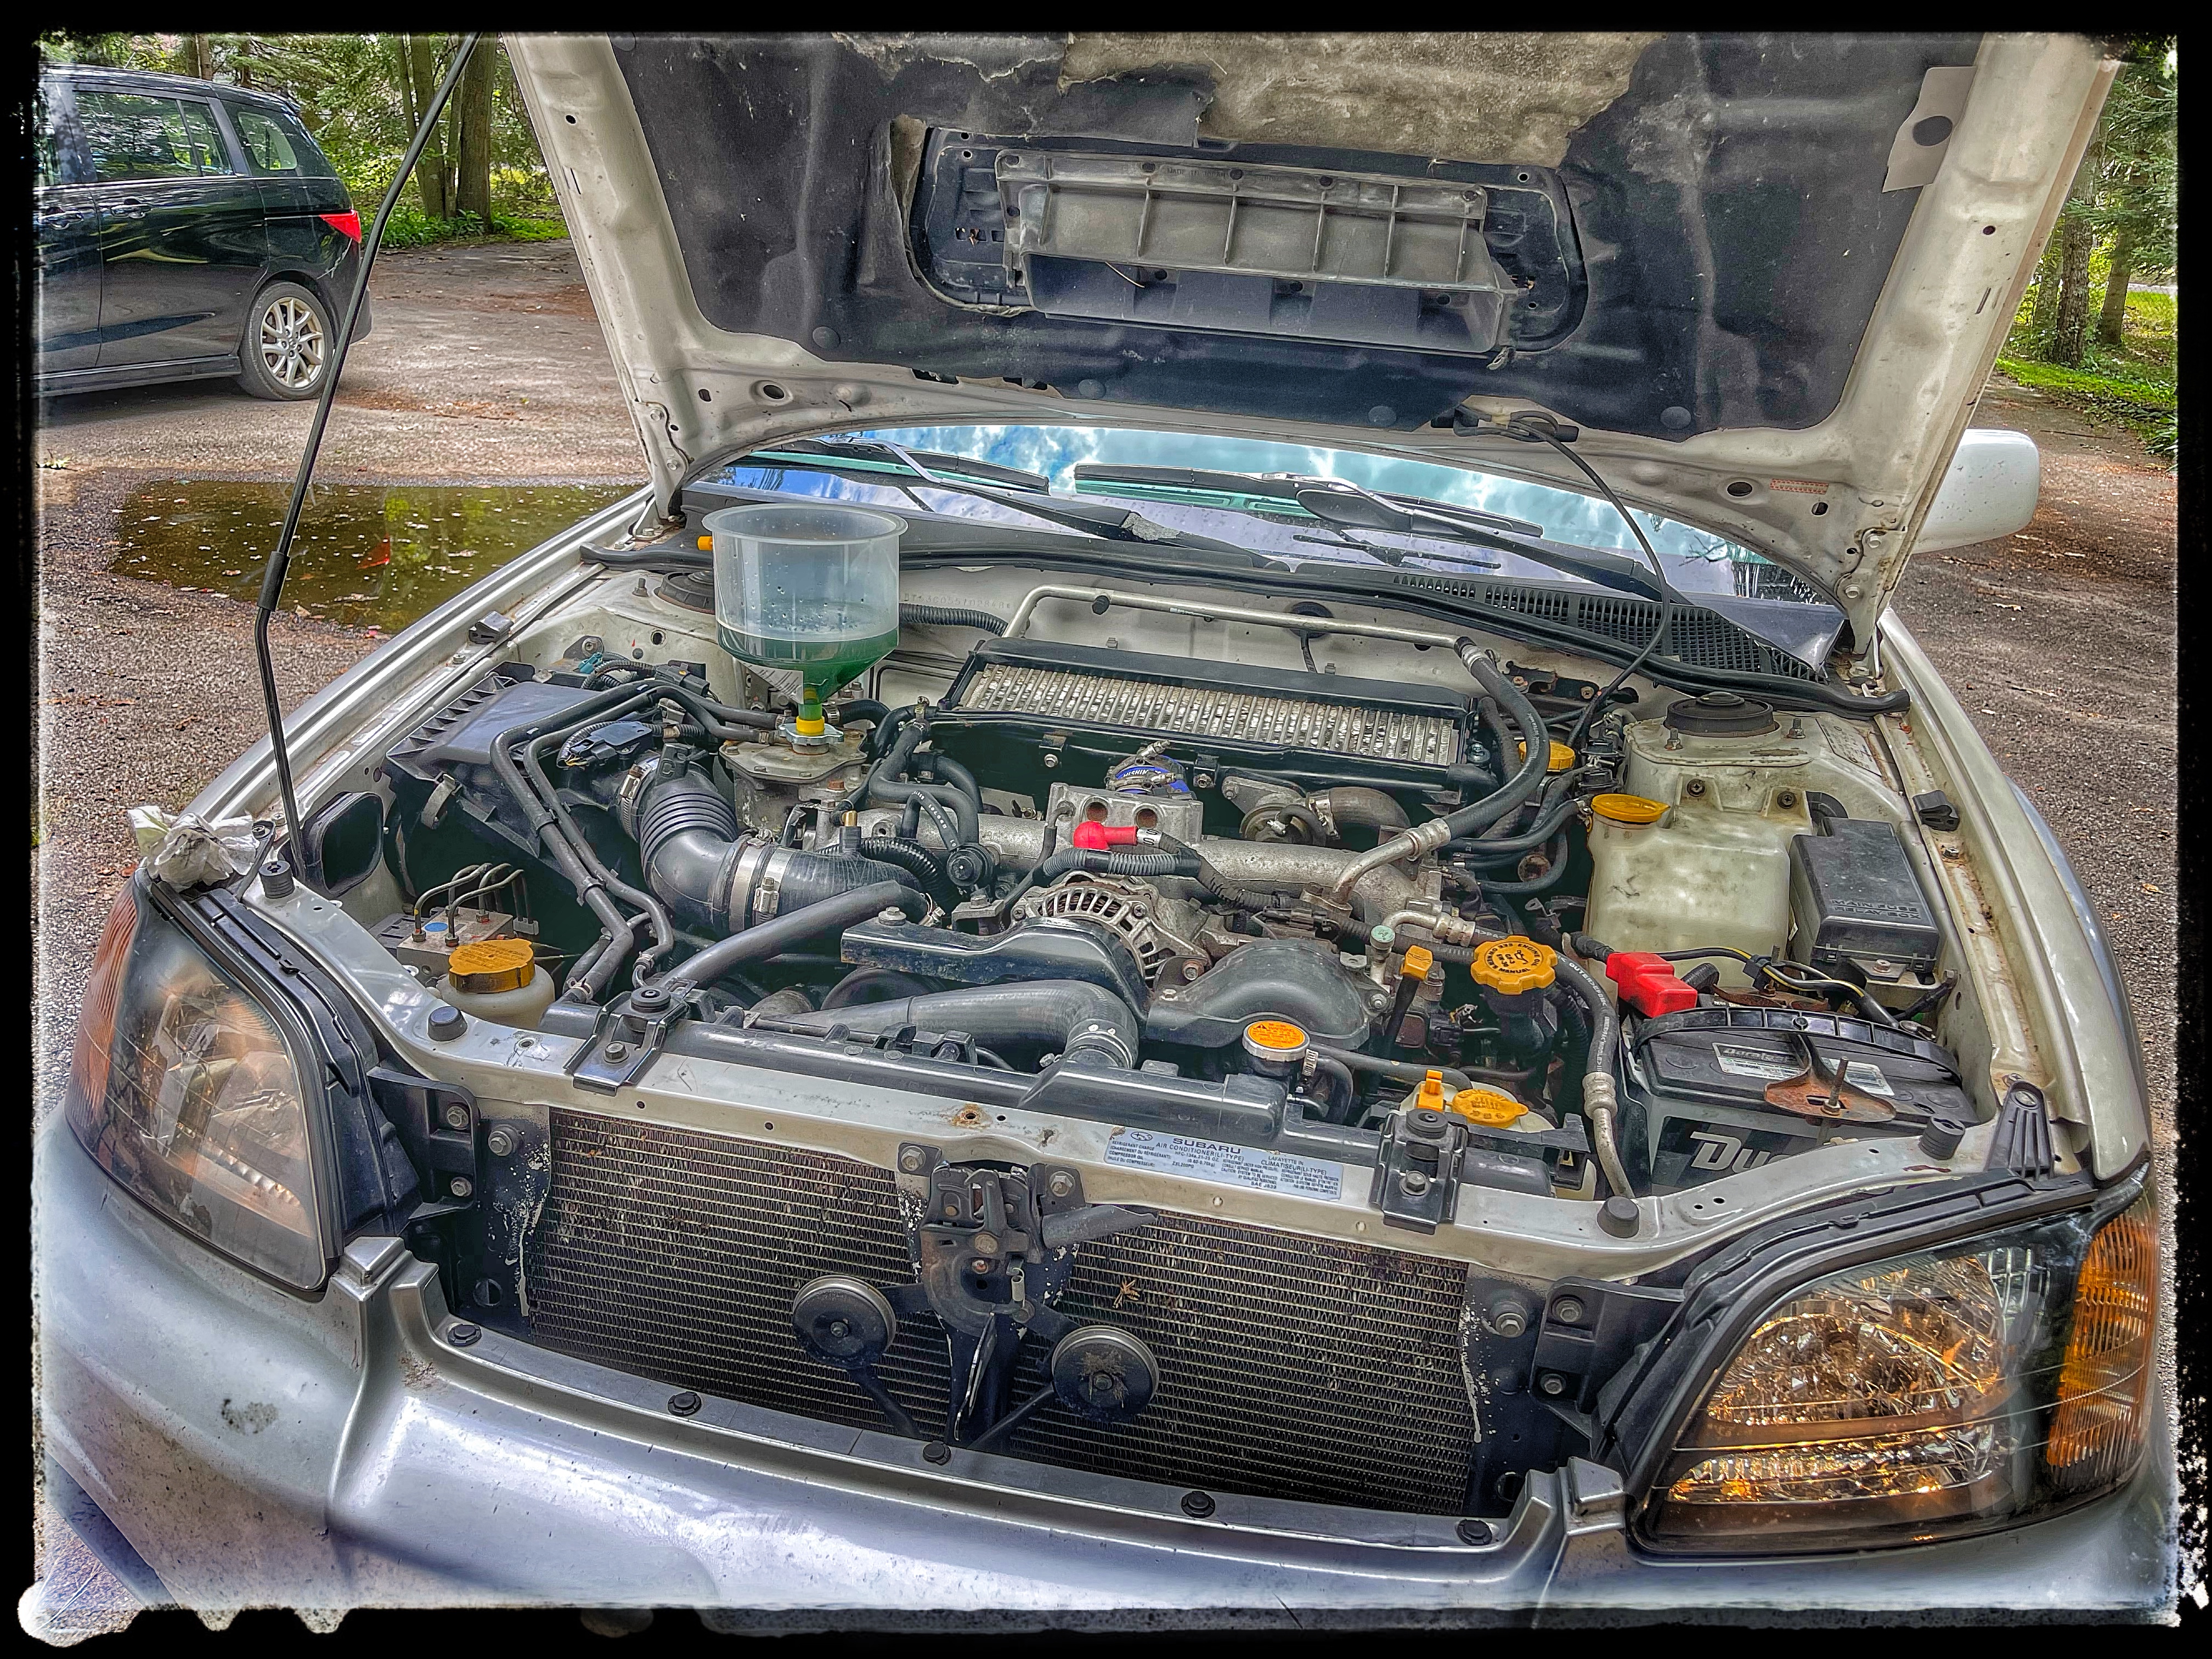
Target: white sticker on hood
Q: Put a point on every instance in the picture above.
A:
(1220, 1160)
(1868, 1076)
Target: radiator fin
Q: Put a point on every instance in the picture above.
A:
(1292, 1367)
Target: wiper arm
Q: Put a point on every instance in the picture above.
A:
(1346, 506)
(1111, 524)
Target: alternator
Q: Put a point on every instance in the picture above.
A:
(1154, 927)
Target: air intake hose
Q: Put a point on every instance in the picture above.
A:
(1071, 1016)
(687, 837)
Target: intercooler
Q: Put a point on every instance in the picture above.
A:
(1238, 706)
(1291, 1367)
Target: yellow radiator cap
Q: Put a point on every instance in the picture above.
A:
(1562, 756)
(1512, 965)
(1276, 1036)
(1493, 1109)
(493, 964)
(1628, 809)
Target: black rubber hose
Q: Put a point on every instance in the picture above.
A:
(949, 770)
(1353, 804)
(1535, 765)
(772, 938)
(1071, 1016)
(1528, 841)
(1598, 1097)
(663, 930)
(945, 616)
(601, 967)
(1209, 879)
(1345, 1094)
(1402, 1071)
(910, 856)
(1103, 861)
(1550, 878)
(862, 709)
(884, 784)
(845, 993)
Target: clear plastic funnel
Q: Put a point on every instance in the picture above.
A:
(806, 588)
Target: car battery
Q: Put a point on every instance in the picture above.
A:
(1855, 898)
(1711, 1090)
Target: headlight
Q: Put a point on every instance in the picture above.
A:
(1930, 1393)
(186, 1092)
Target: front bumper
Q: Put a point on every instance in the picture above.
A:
(260, 1447)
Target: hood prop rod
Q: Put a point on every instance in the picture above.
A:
(272, 579)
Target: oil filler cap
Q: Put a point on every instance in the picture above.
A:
(1512, 965)
(1721, 714)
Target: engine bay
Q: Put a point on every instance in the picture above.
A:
(1692, 935)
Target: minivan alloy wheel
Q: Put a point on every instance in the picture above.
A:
(292, 343)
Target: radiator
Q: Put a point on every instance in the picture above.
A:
(1290, 1367)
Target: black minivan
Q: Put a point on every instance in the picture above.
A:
(186, 230)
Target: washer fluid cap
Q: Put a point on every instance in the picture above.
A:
(1512, 965)
(493, 964)
(1493, 1109)
(1628, 809)
(1721, 714)
(1562, 756)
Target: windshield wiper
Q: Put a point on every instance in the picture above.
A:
(1112, 524)
(1347, 506)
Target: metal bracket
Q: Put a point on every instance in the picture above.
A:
(626, 1039)
(1590, 1326)
(1417, 1175)
(424, 1112)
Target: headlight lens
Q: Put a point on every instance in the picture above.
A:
(1928, 1394)
(186, 1092)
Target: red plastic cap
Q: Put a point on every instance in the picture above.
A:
(1095, 835)
(1649, 983)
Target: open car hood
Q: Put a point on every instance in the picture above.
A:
(1766, 276)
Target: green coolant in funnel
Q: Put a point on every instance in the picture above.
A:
(809, 588)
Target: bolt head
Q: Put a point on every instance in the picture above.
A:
(1786, 798)
(1415, 1183)
(910, 1160)
(1551, 1383)
(979, 1265)
(1060, 1184)
(460, 1186)
(1202, 780)
(457, 1116)
(1567, 1311)
(1051, 761)
(500, 1142)
(617, 1051)
(986, 1243)
(1694, 786)
(1509, 1322)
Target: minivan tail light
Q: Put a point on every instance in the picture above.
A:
(348, 223)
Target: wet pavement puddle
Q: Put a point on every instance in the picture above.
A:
(366, 555)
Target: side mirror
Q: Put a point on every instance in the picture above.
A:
(1989, 492)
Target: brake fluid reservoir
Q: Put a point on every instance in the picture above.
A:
(810, 589)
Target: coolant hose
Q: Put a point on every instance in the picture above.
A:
(773, 938)
(910, 856)
(1599, 1104)
(1473, 818)
(946, 616)
(1355, 803)
(847, 992)
(1071, 1016)
(886, 785)
(1401, 1071)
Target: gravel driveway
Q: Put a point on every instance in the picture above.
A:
(488, 365)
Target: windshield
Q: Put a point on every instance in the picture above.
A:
(1704, 566)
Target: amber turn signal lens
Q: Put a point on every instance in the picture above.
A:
(2104, 1384)
(95, 1026)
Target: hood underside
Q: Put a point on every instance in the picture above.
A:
(1765, 276)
